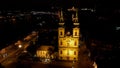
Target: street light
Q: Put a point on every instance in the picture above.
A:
(95, 65)
(19, 46)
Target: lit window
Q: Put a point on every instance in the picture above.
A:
(75, 33)
(74, 58)
(60, 57)
(60, 33)
(74, 52)
(60, 52)
(60, 42)
(75, 43)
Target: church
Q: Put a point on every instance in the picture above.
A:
(68, 38)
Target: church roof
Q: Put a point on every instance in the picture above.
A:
(45, 47)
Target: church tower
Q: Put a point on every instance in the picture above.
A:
(68, 42)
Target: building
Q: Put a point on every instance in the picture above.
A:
(44, 51)
(68, 42)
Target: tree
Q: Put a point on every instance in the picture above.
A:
(50, 52)
(32, 48)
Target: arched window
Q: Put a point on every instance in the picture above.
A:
(74, 52)
(60, 33)
(60, 57)
(60, 52)
(75, 33)
(61, 43)
(75, 43)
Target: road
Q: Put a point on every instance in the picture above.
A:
(54, 64)
(13, 52)
(30, 64)
(13, 56)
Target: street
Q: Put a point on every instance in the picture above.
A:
(54, 64)
(12, 52)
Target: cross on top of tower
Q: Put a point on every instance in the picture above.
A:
(74, 15)
(72, 9)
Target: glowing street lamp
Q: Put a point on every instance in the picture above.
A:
(95, 65)
(19, 46)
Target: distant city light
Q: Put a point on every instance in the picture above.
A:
(38, 12)
(43, 21)
(38, 18)
(40, 24)
(9, 13)
(21, 14)
(84, 9)
(1, 17)
(92, 10)
(25, 51)
(117, 28)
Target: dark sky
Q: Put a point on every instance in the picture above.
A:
(59, 3)
(46, 3)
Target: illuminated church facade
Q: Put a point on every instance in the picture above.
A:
(68, 41)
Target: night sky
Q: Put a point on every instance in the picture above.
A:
(45, 3)
(35, 4)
